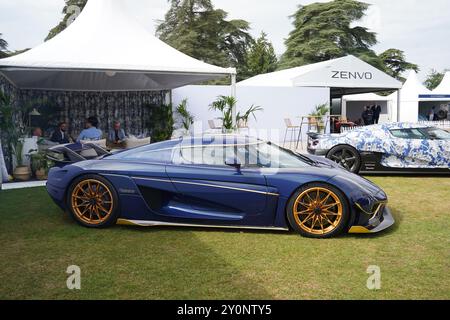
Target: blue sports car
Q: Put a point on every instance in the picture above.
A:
(226, 181)
(394, 148)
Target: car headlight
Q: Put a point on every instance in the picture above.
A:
(370, 205)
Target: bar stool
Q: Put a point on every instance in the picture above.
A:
(292, 129)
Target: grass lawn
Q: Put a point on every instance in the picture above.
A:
(39, 243)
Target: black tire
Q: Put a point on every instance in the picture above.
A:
(347, 156)
(97, 198)
(328, 225)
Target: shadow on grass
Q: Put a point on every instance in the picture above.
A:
(117, 263)
(206, 229)
(184, 266)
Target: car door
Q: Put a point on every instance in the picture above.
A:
(212, 192)
(410, 148)
(438, 147)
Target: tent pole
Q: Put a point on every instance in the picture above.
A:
(233, 94)
(398, 105)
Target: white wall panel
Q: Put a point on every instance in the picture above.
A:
(278, 103)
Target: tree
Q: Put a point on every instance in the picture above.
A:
(3, 47)
(17, 52)
(199, 30)
(395, 63)
(324, 31)
(261, 58)
(71, 10)
(434, 78)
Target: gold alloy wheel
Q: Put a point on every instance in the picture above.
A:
(318, 211)
(92, 202)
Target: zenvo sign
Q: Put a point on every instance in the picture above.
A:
(352, 75)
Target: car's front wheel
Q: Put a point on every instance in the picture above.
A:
(93, 202)
(347, 156)
(318, 210)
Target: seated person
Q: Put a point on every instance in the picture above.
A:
(37, 132)
(60, 135)
(39, 135)
(91, 132)
(116, 136)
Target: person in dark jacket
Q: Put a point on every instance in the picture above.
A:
(60, 135)
(367, 116)
(376, 110)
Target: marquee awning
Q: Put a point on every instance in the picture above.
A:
(346, 75)
(105, 49)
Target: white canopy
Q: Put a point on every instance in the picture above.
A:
(413, 88)
(444, 86)
(409, 98)
(349, 74)
(105, 49)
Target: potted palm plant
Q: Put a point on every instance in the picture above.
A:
(21, 172)
(225, 105)
(39, 165)
(13, 133)
(186, 117)
(320, 111)
(243, 118)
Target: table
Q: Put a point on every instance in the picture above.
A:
(314, 121)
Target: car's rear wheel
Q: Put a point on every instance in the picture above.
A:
(318, 210)
(347, 156)
(93, 202)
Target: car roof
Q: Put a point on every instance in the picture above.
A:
(404, 125)
(205, 140)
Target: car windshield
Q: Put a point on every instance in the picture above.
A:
(408, 134)
(268, 155)
(255, 155)
(437, 134)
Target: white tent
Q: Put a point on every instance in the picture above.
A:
(444, 86)
(412, 88)
(105, 49)
(353, 106)
(344, 75)
(409, 98)
(416, 99)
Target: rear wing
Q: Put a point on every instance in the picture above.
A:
(314, 135)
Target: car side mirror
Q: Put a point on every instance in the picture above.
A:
(233, 162)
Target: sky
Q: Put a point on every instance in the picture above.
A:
(420, 28)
